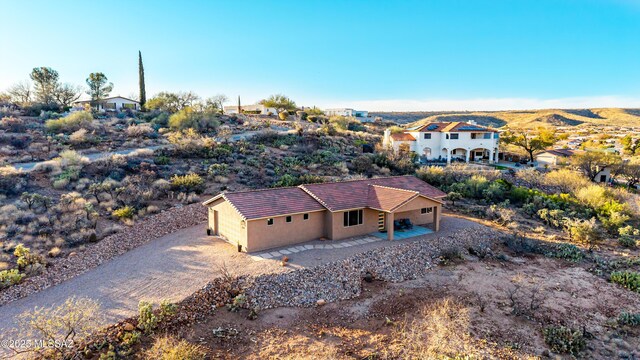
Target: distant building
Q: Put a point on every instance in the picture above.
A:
(448, 141)
(251, 109)
(360, 114)
(115, 103)
(555, 158)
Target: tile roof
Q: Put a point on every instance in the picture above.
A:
(355, 194)
(453, 126)
(272, 202)
(387, 199)
(560, 152)
(381, 193)
(403, 137)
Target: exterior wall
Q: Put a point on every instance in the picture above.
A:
(438, 142)
(262, 236)
(263, 110)
(339, 231)
(546, 160)
(412, 209)
(229, 223)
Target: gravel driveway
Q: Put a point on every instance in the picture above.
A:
(174, 266)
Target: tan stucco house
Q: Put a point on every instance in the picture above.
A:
(269, 218)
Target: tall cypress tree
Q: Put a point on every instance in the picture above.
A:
(143, 92)
(239, 107)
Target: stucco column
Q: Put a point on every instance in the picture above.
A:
(390, 226)
(490, 156)
(467, 156)
(497, 158)
(436, 218)
(448, 156)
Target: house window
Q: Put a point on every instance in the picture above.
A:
(352, 218)
(427, 136)
(269, 222)
(110, 106)
(129, 106)
(426, 210)
(454, 136)
(305, 217)
(487, 135)
(288, 219)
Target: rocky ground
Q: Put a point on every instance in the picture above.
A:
(61, 269)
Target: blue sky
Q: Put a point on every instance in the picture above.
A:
(378, 55)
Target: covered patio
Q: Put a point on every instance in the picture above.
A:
(405, 234)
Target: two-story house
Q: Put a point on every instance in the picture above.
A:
(462, 141)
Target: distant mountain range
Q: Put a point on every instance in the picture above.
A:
(522, 118)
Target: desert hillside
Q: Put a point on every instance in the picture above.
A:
(524, 118)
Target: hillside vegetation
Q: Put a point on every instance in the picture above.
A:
(524, 118)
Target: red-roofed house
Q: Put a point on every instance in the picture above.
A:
(264, 219)
(447, 141)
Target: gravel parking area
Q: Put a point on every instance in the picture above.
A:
(176, 265)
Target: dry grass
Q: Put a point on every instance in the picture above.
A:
(441, 331)
(170, 348)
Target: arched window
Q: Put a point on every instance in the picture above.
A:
(426, 152)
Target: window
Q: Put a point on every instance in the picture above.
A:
(305, 217)
(426, 210)
(269, 222)
(287, 219)
(352, 218)
(111, 106)
(454, 136)
(427, 136)
(128, 106)
(487, 135)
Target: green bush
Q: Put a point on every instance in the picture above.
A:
(628, 279)
(568, 252)
(70, 123)
(629, 319)
(10, 277)
(147, 320)
(564, 340)
(218, 169)
(188, 118)
(162, 160)
(187, 183)
(627, 241)
(126, 212)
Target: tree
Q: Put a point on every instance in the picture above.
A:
(630, 145)
(21, 93)
(530, 141)
(631, 171)
(172, 102)
(66, 94)
(239, 106)
(214, 104)
(143, 91)
(98, 87)
(279, 102)
(45, 82)
(591, 163)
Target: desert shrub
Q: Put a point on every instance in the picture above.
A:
(170, 348)
(10, 277)
(79, 137)
(26, 260)
(188, 118)
(162, 160)
(71, 321)
(167, 309)
(583, 231)
(218, 169)
(627, 241)
(187, 183)
(450, 254)
(189, 143)
(500, 214)
(362, 164)
(564, 340)
(161, 119)
(139, 131)
(629, 319)
(147, 320)
(283, 115)
(568, 252)
(566, 180)
(70, 123)
(434, 175)
(12, 181)
(126, 212)
(628, 279)
(13, 124)
(553, 218)
(530, 177)
(441, 331)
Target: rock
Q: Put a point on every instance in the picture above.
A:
(72, 254)
(321, 302)
(128, 327)
(368, 277)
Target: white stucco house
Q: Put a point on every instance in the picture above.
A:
(115, 103)
(360, 114)
(447, 141)
(557, 158)
(257, 108)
